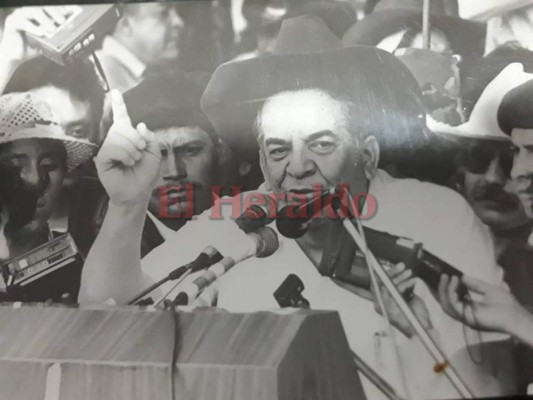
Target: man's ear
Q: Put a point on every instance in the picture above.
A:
(370, 157)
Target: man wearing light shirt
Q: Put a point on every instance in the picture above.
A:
(312, 120)
(147, 36)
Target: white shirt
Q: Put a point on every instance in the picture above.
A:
(433, 215)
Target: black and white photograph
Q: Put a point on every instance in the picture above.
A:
(266, 199)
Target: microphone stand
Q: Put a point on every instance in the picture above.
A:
(176, 274)
(435, 352)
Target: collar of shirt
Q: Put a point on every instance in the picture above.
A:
(125, 55)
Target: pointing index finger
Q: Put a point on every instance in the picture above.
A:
(120, 112)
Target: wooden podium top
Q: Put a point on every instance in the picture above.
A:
(106, 353)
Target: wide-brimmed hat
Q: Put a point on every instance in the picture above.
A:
(22, 116)
(483, 122)
(309, 56)
(466, 38)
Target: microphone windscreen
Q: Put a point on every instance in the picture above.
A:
(268, 242)
(291, 227)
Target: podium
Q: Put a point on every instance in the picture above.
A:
(57, 353)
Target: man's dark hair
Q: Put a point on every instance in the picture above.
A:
(168, 100)
(516, 109)
(78, 78)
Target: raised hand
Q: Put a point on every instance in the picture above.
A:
(39, 21)
(405, 282)
(490, 308)
(128, 162)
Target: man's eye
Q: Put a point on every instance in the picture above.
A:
(78, 132)
(322, 146)
(278, 152)
(50, 166)
(189, 151)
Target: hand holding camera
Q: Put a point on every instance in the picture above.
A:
(38, 21)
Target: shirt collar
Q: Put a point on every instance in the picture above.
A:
(130, 60)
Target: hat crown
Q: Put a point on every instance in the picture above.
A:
(305, 34)
(484, 115)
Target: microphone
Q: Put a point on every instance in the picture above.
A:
(265, 243)
(293, 221)
(206, 258)
(257, 216)
(289, 293)
(250, 220)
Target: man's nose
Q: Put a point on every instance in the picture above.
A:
(36, 178)
(300, 165)
(175, 168)
(494, 173)
(522, 165)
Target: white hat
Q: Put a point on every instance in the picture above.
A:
(22, 117)
(483, 122)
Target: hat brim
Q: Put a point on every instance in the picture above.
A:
(78, 150)
(467, 38)
(463, 131)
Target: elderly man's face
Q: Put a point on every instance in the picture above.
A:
(522, 172)
(39, 165)
(488, 188)
(306, 140)
(155, 31)
(188, 159)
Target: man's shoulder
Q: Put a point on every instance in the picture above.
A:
(421, 196)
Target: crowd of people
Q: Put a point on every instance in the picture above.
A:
(211, 100)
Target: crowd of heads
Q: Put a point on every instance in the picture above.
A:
(381, 117)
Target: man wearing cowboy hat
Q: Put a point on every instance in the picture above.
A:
(488, 162)
(311, 115)
(483, 175)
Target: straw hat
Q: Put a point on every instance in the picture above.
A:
(24, 117)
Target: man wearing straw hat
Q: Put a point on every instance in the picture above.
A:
(35, 155)
(313, 113)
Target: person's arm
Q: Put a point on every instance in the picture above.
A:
(489, 308)
(128, 165)
(14, 49)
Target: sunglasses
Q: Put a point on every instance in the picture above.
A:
(479, 157)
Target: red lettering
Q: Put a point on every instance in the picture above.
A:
(298, 210)
(359, 201)
(234, 201)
